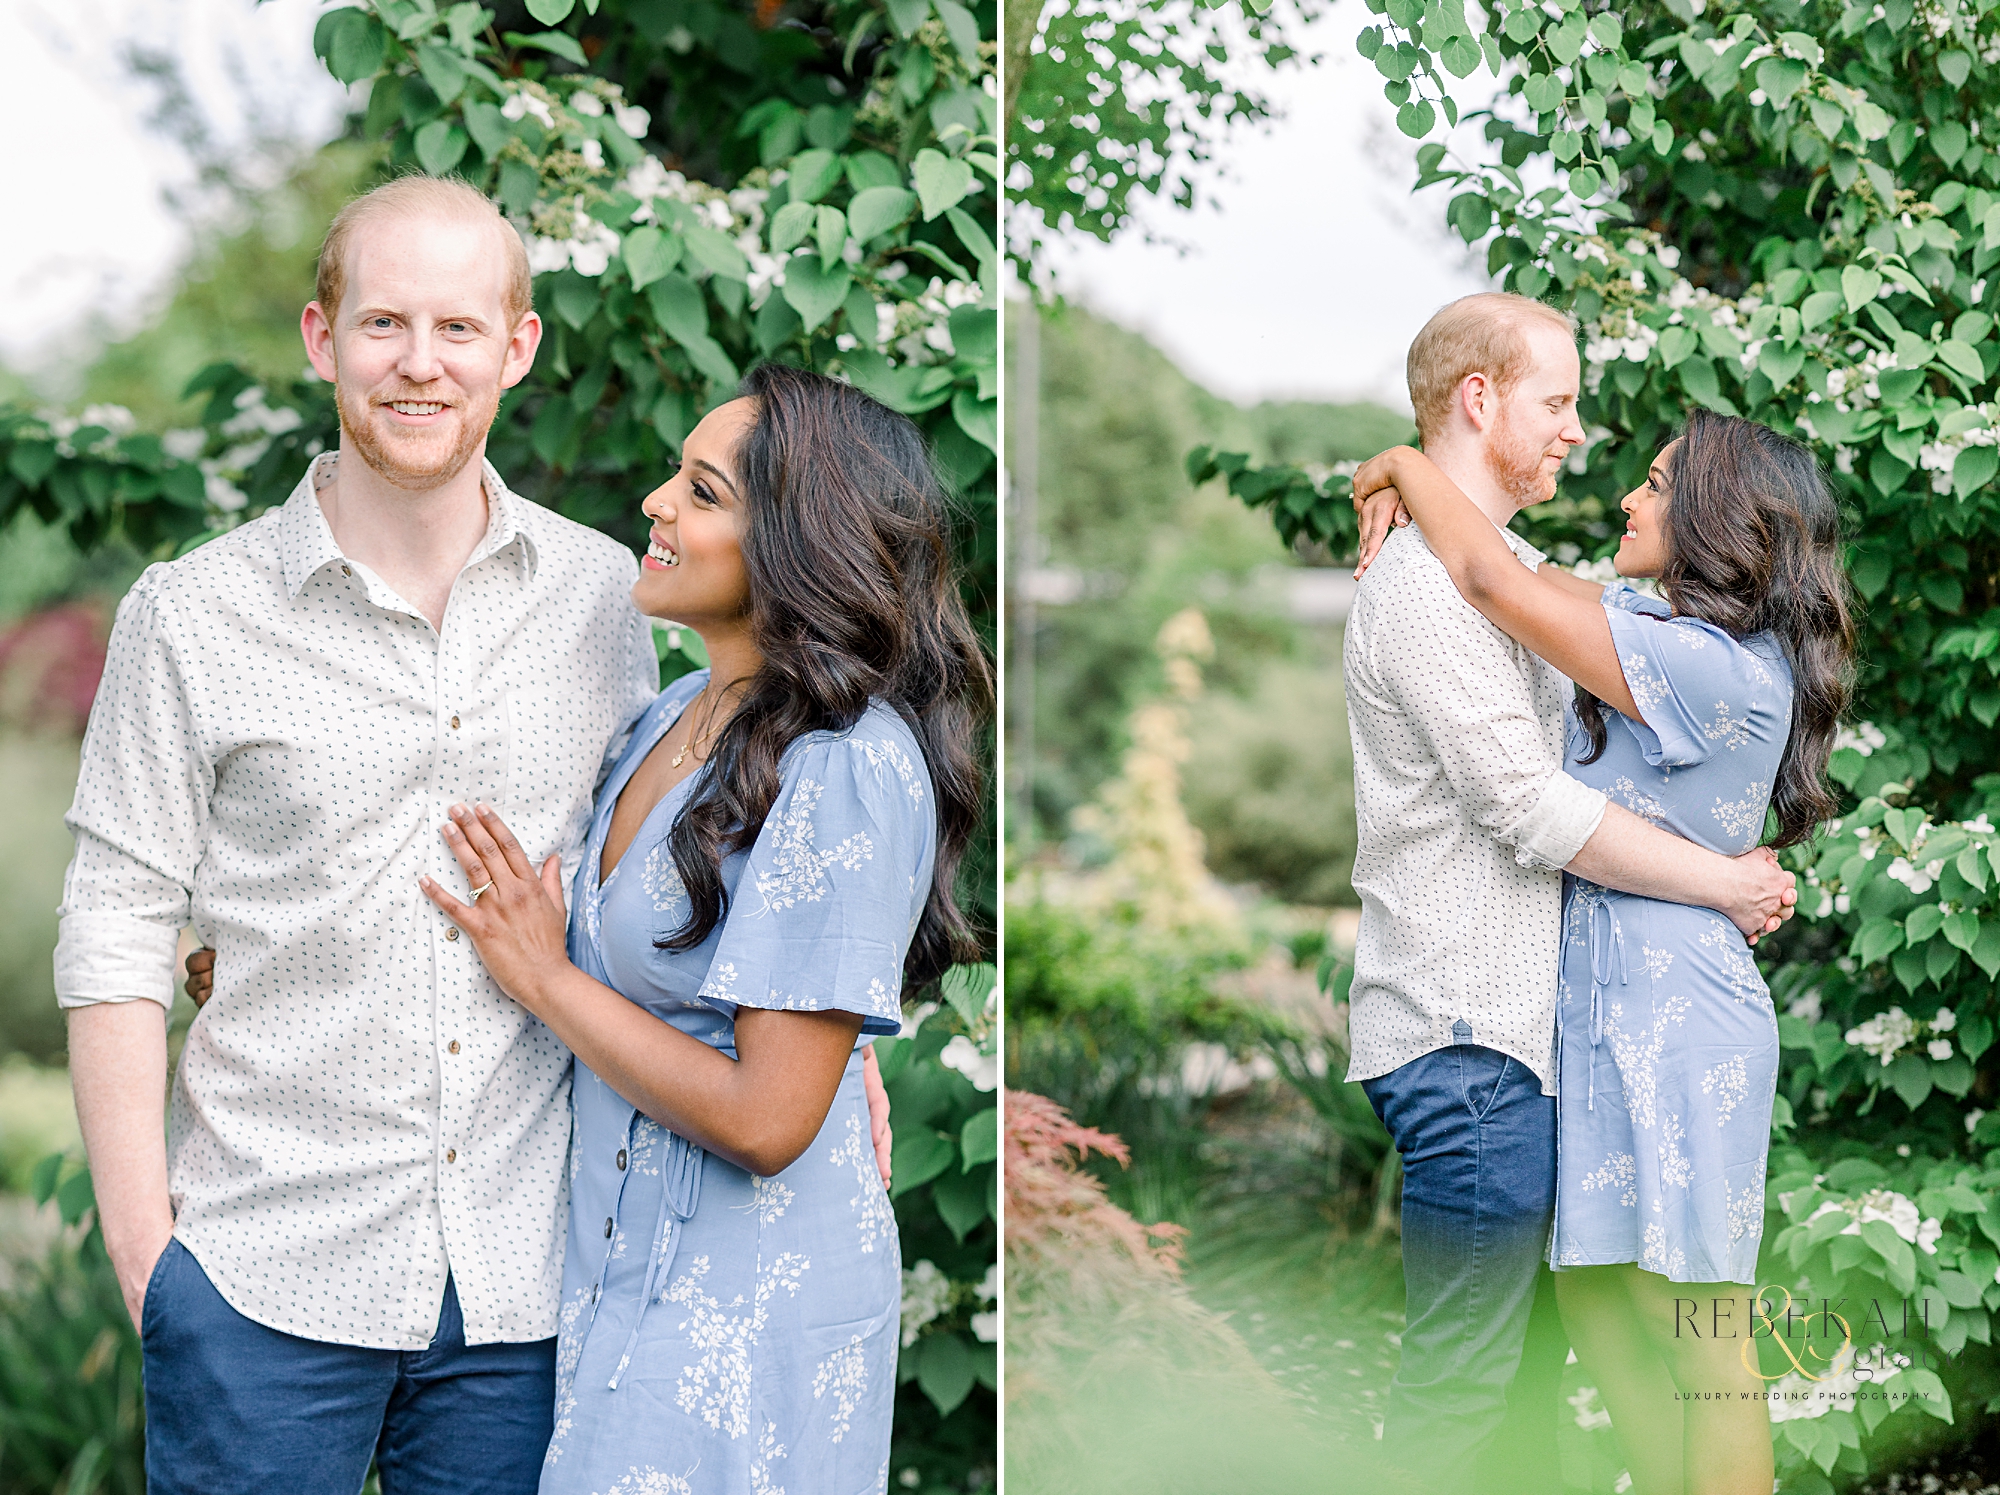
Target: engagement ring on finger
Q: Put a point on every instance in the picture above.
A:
(473, 897)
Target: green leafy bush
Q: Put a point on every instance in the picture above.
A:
(1790, 213)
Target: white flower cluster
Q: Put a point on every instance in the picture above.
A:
(1590, 1416)
(1899, 1211)
(986, 1323)
(1795, 1396)
(251, 429)
(588, 248)
(1937, 457)
(927, 1294)
(114, 421)
(1863, 737)
(1616, 335)
(1887, 1034)
(1935, 17)
(963, 1055)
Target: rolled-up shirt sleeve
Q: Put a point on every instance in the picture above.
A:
(139, 817)
(1471, 700)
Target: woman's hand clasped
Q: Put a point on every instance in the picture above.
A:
(515, 918)
(1377, 504)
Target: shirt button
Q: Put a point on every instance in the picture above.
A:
(451, 933)
(621, 1160)
(454, 724)
(451, 1155)
(453, 1046)
(607, 1228)
(346, 570)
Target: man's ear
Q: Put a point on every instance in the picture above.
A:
(521, 345)
(316, 329)
(1476, 400)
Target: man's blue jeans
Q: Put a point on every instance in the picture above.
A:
(1478, 1140)
(233, 1406)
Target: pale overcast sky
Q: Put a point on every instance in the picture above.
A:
(1308, 280)
(91, 237)
(1319, 266)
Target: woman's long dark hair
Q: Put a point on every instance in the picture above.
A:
(1753, 546)
(853, 597)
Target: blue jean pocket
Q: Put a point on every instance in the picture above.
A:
(149, 1307)
(1481, 1072)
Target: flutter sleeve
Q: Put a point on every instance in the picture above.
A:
(1700, 691)
(829, 896)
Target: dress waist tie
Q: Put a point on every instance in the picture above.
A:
(1606, 939)
(680, 1192)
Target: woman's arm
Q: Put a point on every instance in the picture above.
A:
(1558, 622)
(201, 983)
(759, 1111)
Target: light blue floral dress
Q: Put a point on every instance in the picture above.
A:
(723, 1334)
(1668, 1043)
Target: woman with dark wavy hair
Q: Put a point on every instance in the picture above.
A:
(770, 867)
(1723, 703)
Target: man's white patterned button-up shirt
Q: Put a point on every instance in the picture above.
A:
(278, 734)
(1465, 820)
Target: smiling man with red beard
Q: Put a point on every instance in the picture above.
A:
(349, 1247)
(1466, 823)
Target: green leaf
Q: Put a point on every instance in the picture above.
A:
(1584, 182)
(1819, 308)
(1859, 286)
(829, 234)
(979, 419)
(42, 1182)
(1780, 78)
(559, 43)
(872, 213)
(443, 70)
(1895, 1252)
(709, 357)
(351, 42)
(962, 29)
(678, 307)
(1954, 67)
(813, 173)
(716, 252)
(1416, 118)
(487, 126)
(1973, 469)
(941, 181)
(1544, 92)
(1877, 938)
(1677, 344)
(1961, 360)
(75, 1196)
(1780, 363)
(551, 12)
(975, 337)
(979, 1138)
(960, 1200)
(791, 225)
(577, 298)
(813, 291)
(907, 15)
(945, 1369)
(440, 146)
(1607, 31)
(1962, 928)
(650, 252)
(1460, 56)
(918, 1155)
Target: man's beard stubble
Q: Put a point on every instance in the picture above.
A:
(418, 465)
(1516, 465)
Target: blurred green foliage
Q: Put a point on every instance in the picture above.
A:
(1117, 520)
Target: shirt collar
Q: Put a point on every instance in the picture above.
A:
(306, 543)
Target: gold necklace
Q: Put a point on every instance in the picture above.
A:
(693, 741)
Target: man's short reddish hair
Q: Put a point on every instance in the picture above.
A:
(419, 197)
(1478, 334)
